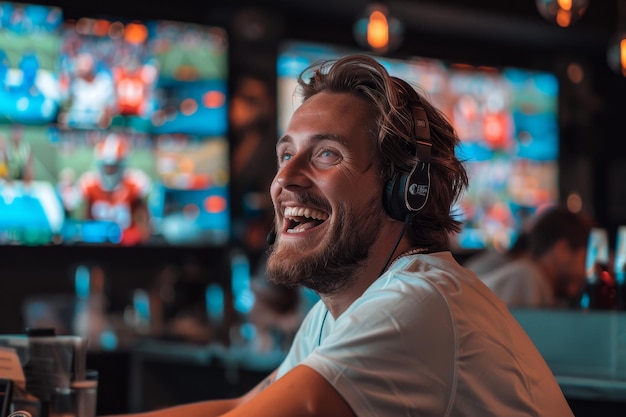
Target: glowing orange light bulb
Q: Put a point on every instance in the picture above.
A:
(378, 31)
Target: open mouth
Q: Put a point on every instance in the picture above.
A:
(300, 219)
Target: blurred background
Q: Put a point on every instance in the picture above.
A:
(137, 148)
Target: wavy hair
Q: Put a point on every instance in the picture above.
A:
(392, 100)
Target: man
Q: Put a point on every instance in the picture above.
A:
(91, 95)
(366, 178)
(552, 273)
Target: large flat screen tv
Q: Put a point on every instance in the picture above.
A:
(112, 132)
(506, 118)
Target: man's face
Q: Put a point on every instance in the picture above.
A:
(326, 194)
(110, 168)
(572, 273)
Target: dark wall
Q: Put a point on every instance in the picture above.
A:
(33, 271)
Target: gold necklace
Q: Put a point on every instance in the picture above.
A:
(409, 252)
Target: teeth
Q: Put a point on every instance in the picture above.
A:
(305, 212)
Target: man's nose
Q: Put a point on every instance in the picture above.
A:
(295, 173)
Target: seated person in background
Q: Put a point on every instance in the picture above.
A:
(552, 273)
(367, 176)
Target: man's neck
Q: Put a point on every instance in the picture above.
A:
(379, 261)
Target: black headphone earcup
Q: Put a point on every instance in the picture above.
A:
(407, 193)
(394, 199)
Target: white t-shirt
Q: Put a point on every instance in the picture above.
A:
(428, 338)
(521, 284)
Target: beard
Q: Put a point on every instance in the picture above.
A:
(329, 270)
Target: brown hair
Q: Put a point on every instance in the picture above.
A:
(556, 223)
(392, 100)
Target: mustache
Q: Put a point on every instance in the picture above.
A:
(307, 199)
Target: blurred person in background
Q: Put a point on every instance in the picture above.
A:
(490, 259)
(178, 304)
(552, 271)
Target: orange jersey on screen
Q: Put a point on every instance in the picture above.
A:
(114, 205)
(132, 88)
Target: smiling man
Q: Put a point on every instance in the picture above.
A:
(327, 196)
(367, 176)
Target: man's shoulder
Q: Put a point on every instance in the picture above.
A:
(420, 277)
(523, 265)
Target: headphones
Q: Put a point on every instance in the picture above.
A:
(406, 193)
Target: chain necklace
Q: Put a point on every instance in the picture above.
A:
(409, 252)
(319, 339)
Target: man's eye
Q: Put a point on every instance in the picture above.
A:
(328, 156)
(284, 157)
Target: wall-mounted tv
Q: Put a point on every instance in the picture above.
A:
(507, 119)
(112, 132)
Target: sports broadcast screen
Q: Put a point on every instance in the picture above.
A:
(112, 132)
(506, 118)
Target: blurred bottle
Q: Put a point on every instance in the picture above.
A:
(90, 316)
(600, 284)
(243, 297)
(619, 268)
(242, 332)
(139, 315)
(215, 303)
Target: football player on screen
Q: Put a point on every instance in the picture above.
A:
(113, 191)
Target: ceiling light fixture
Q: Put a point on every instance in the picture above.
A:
(562, 12)
(377, 30)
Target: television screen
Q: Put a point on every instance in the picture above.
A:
(120, 137)
(506, 118)
(30, 40)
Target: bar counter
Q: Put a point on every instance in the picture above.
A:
(586, 350)
(164, 373)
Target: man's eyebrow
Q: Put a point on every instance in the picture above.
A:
(317, 137)
(283, 139)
